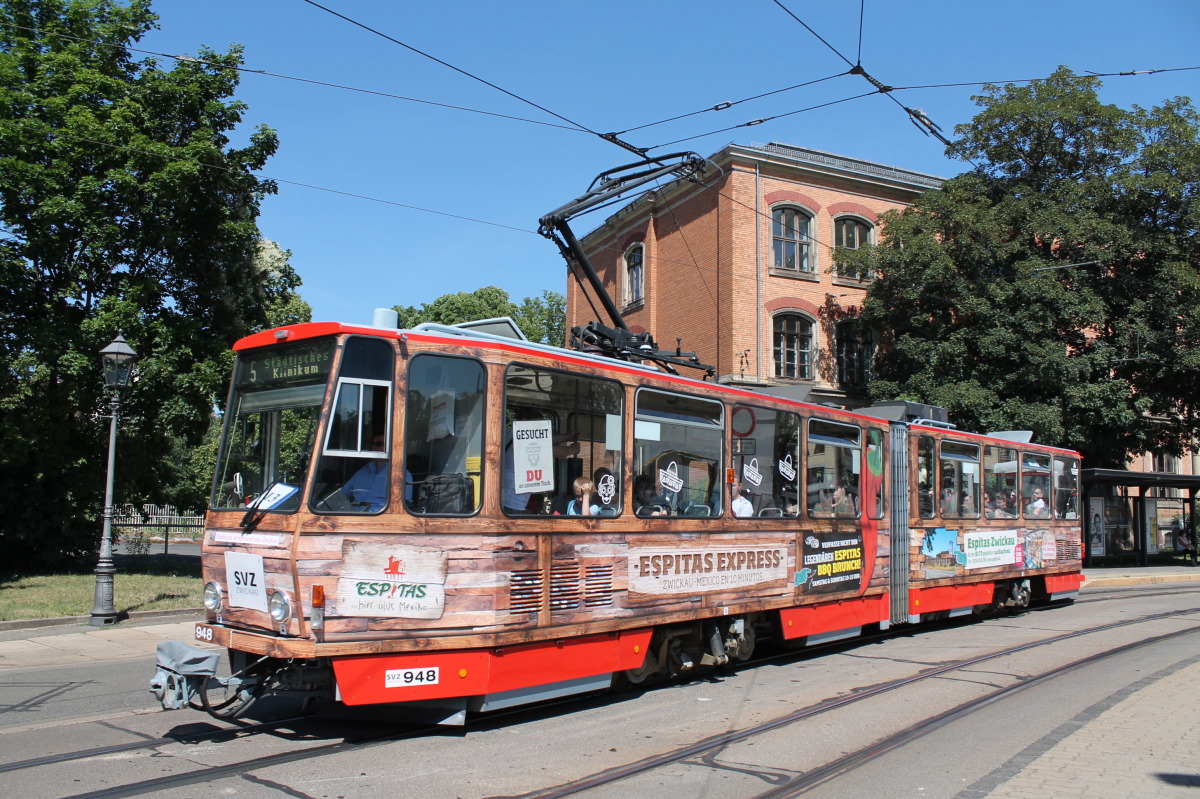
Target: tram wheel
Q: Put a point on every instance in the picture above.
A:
(745, 648)
(1020, 593)
(634, 677)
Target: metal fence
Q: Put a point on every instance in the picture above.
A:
(135, 528)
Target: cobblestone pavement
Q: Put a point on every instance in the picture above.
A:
(1143, 741)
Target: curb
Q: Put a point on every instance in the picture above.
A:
(29, 624)
(1101, 582)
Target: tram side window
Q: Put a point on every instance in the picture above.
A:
(271, 426)
(443, 435)
(766, 462)
(562, 449)
(1035, 485)
(959, 480)
(354, 474)
(833, 467)
(876, 479)
(1000, 495)
(677, 455)
(925, 448)
(1066, 488)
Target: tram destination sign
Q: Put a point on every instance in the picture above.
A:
(301, 363)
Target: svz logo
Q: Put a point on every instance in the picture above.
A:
(247, 579)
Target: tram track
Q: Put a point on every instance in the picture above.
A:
(698, 749)
(235, 732)
(840, 766)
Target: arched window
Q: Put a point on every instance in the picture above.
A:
(793, 346)
(634, 274)
(851, 233)
(790, 232)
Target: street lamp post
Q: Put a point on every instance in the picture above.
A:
(117, 359)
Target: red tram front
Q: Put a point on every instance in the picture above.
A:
(463, 521)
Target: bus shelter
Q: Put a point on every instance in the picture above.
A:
(1137, 516)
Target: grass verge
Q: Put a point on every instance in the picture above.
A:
(139, 584)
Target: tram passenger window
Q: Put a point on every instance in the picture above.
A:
(678, 455)
(354, 472)
(925, 470)
(560, 427)
(834, 468)
(1066, 488)
(959, 480)
(766, 462)
(443, 435)
(1035, 485)
(999, 482)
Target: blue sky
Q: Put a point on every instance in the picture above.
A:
(608, 66)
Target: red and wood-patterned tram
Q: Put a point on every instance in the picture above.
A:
(461, 520)
(392, 521)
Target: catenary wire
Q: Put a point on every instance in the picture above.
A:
(311, 81)
(315, 187)
(609, 137)
(754, 122)
(730, 104)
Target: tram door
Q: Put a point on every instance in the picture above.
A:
(900, 507)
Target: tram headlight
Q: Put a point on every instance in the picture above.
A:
(279, 608)
(212, 597)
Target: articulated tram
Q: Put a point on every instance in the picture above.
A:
(461, 520)
(458, 520)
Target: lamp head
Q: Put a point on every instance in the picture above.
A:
(117, 359)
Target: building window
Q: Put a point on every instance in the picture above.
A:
(851, 233)
(790, 240)
(634, 274)
(855, 350)
(793, 346)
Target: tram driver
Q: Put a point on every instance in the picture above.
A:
(368, 488)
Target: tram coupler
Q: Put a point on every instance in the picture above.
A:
(182, 669)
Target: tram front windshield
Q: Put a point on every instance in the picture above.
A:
(270, 426)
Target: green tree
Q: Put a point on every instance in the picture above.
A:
(541, 319)
(192, 465)
(124, 207)
(1102, 357)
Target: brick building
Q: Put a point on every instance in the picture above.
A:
(741, 268)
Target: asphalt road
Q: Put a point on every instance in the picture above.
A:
(1143, 698)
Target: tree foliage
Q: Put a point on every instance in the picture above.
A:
(124, 207)
(541, 319)
(1100, 355)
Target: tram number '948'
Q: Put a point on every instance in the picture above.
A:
(405, 678)
(204, 633)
